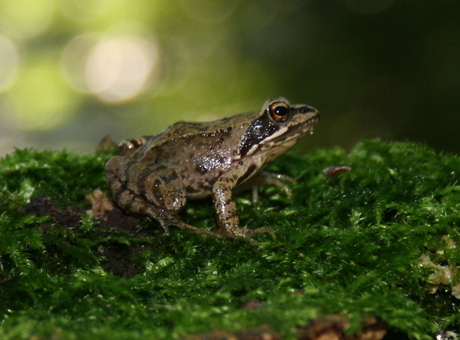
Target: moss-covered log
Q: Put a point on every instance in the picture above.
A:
(374, 249)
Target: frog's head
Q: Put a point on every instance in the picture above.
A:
(277, 128)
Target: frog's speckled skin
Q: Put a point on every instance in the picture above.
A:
(155, 175)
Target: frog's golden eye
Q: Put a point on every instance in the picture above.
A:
(279, 112)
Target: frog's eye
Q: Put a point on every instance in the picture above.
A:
(279, 112)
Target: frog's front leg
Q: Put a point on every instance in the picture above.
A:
(225, 206)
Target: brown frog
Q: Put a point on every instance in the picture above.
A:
(154, 175)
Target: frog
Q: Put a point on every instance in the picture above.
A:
(155, 175)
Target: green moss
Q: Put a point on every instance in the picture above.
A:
(349, 244)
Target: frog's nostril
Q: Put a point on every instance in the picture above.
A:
(308, 109)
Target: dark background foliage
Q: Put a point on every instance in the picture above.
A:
(74, 71)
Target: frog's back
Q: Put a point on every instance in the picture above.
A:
(197, 153)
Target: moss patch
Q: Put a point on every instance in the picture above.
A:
(379, 242)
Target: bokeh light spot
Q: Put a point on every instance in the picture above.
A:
(118, 69)
(74, 58)
(113, 68)
(25, 18)
(40, 99)
(9, 62)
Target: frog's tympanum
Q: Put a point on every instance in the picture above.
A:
(155, 175)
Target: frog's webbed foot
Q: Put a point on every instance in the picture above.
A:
(195, 230)
(269, 178)
(263, 230)
(237, 232)
(251, 232)
(166, 220)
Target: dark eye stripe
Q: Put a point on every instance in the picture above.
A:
(258, 130)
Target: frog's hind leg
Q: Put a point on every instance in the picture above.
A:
(146, 188)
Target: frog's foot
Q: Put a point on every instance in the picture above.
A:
(166, 221)
(269, 178)
(248, 234)
(241, 232)
(263, 230)
(195, 230)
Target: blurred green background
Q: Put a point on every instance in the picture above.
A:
(72, 71)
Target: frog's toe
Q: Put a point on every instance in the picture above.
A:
(165, 227)
(259, 231)
(195, 230)
(264, 230)
(249, 233)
